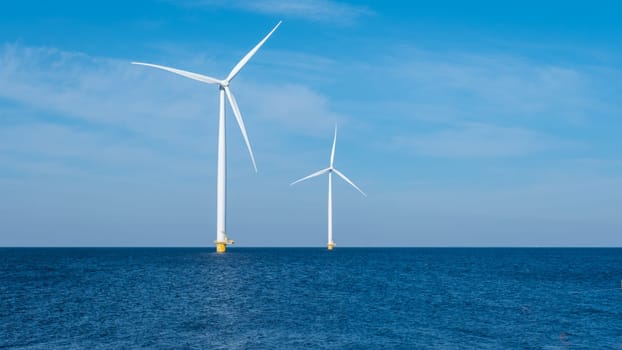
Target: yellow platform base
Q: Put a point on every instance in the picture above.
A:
(221, 247)
(331, 246)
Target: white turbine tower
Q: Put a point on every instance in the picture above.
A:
(223, 85)
(330, 171)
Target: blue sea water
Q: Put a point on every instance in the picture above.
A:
(305, 298)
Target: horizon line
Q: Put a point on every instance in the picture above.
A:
(312, 247)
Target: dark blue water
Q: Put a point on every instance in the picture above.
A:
(311, 298)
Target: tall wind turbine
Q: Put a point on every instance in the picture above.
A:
(330, 170)
(223, 86)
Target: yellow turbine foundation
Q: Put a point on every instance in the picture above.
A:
(331, 246)
(221, 246)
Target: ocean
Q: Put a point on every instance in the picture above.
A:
(309, 298)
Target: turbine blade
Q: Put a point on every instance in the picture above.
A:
(348, 181)
(238, 117)
(317, 173)
(250, 54)
(332, 153)
(195, 76)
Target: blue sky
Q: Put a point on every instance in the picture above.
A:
(474, 124)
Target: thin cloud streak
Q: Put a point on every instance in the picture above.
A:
(312, 10)
(480, 140)
(487, 87)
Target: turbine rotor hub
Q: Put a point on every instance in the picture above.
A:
(224, 83)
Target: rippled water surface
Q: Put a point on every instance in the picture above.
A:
(351, 298)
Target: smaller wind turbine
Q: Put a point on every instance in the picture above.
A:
(330, 171)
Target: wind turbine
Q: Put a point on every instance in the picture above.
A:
(330, 170)
(223, 86)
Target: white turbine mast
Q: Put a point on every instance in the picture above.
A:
(330, 170)
(223, 85)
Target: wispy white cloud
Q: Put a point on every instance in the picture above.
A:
(482, 104)
(452, 86)
(69, 151)
(510, 85)
(292, 105)
(480, 140)
(95, 90)
(313, 10)
(71, 107)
